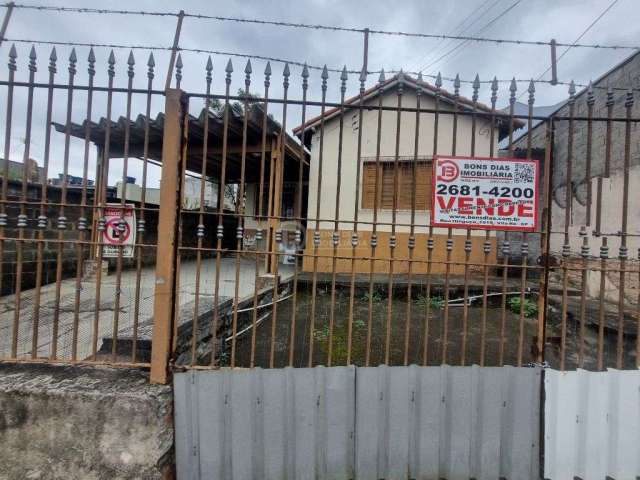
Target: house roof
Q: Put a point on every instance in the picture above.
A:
(215, 131)
(463, 102)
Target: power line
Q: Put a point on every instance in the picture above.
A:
(459, 28)
(487, 25)
(85, 10)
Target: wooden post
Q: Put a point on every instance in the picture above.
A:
(174, 49)
(5, 22)
(278, 177)
(163, 307)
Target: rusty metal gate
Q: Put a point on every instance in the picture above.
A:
(281, 221)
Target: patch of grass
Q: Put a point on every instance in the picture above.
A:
(530, 308)
(340, 341)
(435, 302)
(375, 297)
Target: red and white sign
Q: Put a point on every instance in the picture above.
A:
(485, 193)
(114, 238)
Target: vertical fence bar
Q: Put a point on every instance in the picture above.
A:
(167, 249)
(411, 243)
(82, 220)
(101, 195)
(392, 238)
(506, 247)
(240, 211)
(524, 245)
(374, 234)
(141, 223)
(277, 205)
(298, 213)
(265, 109)
(467, 241)
(201, 228)
(430, 240)
(487, 236)
(566, 247)
(336, 218)
(7, 151)
(62, 219)
(585, 249)
(122, 224)
(356, 207)
(545, 239)
(624, 251)
(447, 271)
(220, 216)
(22, 217)
(316, 234)
(42, 218)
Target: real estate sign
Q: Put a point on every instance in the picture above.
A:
(485, 193)
(115, 237)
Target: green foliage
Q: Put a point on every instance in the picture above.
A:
(435, 302)
(530, 308)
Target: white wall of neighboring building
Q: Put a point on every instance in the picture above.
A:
(611, 205)
(387, 149)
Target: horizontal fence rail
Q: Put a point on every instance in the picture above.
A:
(284, 219)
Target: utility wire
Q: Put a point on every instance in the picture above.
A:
(85, 10)
(598, 18)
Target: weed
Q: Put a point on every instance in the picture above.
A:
(434, 302)
(530, 308)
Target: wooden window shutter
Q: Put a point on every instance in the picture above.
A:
(368, 184)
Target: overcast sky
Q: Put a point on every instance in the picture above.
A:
(563, 20)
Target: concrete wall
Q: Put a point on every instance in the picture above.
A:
(84, 423)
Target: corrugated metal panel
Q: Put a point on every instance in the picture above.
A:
(592, 424)
(363, 423)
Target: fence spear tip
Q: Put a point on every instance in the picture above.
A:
(247, 68)
(32, 53)
(13, 53)
(112, 58)
(92, 56)
(151, 62)
(305, 71)
(209, 66)
(229, 67)
(131, 60)
(343, 75)
(325, 73)
(381, 77)
(286, 72)
(267, 69)
(53, 57)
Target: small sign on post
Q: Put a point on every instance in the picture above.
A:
(120, 230)
(485, 193)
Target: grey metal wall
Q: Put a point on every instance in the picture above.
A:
(363, 423)
(592, 425)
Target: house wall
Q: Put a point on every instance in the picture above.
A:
(348, 173)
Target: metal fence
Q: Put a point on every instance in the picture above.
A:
(255, 244)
